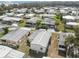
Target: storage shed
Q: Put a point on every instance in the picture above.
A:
(7, 52)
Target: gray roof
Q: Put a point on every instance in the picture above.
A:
(34, 34)
(15, 35)
(32, 20)
(42, 39)
(49, 21)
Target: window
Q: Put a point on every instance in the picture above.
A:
(62, 46)
(4, 40)
(41, 48)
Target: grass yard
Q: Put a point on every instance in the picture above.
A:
(60, 27)
(70, 30)
(1, 34)
(24, 48)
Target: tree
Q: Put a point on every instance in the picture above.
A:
(73, 41)
(22, 23)
(76, 29)
(38, 24)
(58, 18)
(44, 26)
(69, 42)
(5, 30)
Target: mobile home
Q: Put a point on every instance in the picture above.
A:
(14, 38)
(40, 43)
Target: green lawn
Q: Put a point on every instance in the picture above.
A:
(70, 30)
(1, 34)
(60, 27)
(24, 48)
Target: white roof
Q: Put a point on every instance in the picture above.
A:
(15, 35)
(34, 34)
(1, 17)
(3, 26)
(72, 23)
(6, 52)
(51, 30)
(11, 19)
(33, 20)
(9, 14)
(30, 15)
(21, 10)
(47, 15)
(63, 11)
(49, 21)
(14, 24)
(19, 15)
(68, 17)
(42, 39)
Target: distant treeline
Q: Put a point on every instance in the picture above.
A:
(47, 3)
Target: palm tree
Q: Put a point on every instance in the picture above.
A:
(76, 42)
(72, 41)
(69, 42)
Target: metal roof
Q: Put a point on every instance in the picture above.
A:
(3, 26)
(49, 21)
(72, 23)
(42, 38)
(7, 52)
(19, 15)
(11, 19)
(34, 34)
(33, 20)
(15, 35)
(69, 17)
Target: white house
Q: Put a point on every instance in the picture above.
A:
(29, 15)
(10, 14)
(69, 18)
(11, 19)
(47, 15)
(19, 15)
(71, 24)
(40, 42)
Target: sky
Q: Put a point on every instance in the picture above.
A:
(39, 0)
